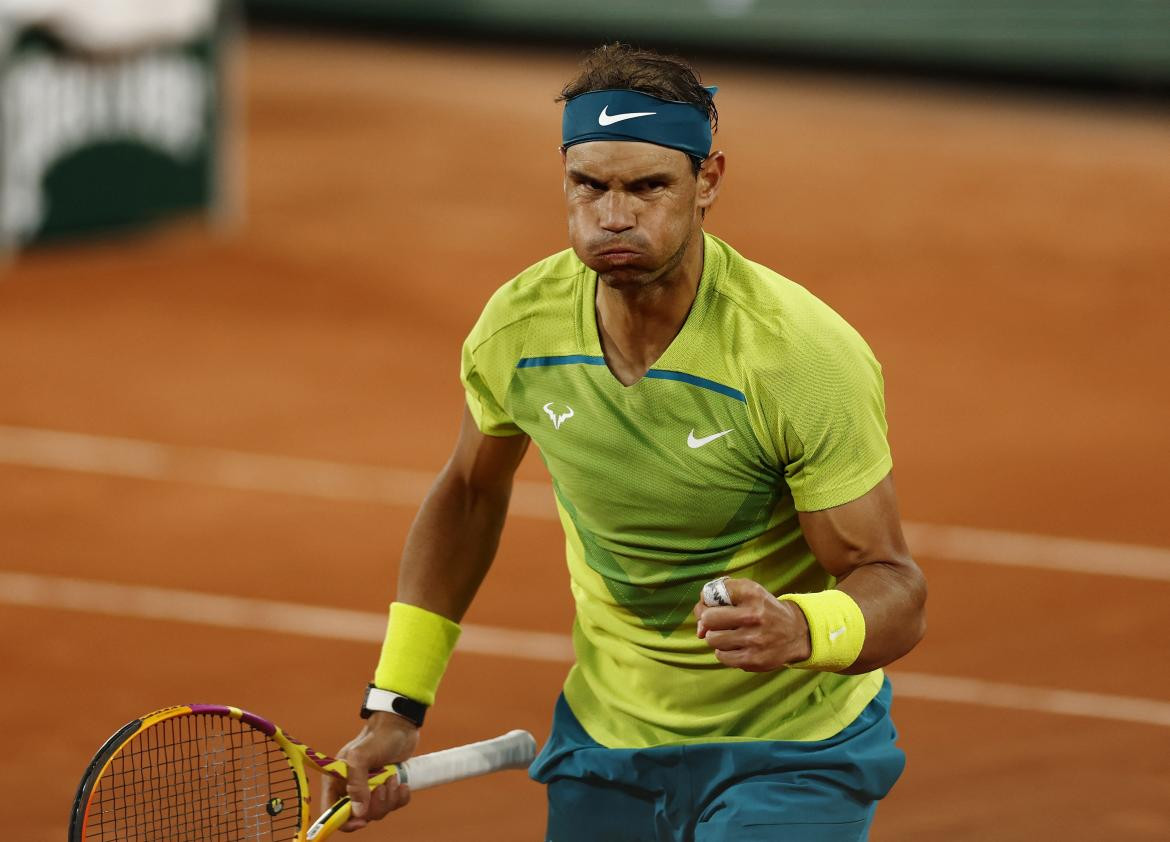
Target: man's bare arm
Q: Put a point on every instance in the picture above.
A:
(861, 543)
(454, 537)
(449, 549)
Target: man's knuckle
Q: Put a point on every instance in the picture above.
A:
(353, 756)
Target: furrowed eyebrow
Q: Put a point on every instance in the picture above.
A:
(582, 176)
(664, 178)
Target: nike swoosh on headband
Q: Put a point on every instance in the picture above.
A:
(607, 119)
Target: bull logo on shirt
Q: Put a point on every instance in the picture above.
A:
(558, 418)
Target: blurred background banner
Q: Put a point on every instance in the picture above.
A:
(113, 113)
(1104, 41)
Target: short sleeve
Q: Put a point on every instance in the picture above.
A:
(833, 424)
(485, 382)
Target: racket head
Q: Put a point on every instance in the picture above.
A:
(201, 772)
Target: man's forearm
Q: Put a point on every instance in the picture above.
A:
(892, 597)
(451, 544)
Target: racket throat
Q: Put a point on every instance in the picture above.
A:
(330, 818)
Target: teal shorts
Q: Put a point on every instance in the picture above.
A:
(824, 791)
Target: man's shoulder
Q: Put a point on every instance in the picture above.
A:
(546, 287)
(776, 318)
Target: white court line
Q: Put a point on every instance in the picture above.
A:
(1046, 552)
(125, 457)
(122, 457)
(972, 691)
(234, 612)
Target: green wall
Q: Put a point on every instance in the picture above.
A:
(1125, 41)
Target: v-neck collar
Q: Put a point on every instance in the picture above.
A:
(680, 351)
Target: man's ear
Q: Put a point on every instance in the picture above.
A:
(710, 179)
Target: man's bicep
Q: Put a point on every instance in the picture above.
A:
(485, 462)
(865, 530)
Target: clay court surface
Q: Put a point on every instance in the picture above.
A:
(260, 413)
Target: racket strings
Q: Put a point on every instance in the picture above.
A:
(197, 778)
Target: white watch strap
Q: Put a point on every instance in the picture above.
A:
(383, 700)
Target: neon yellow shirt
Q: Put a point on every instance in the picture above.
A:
(766, 402)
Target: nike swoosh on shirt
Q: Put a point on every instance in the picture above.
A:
(694, 442)
(607, 119)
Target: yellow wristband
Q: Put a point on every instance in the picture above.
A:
(836, 628)
(415, 654)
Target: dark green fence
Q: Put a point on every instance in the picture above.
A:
(1118, 41)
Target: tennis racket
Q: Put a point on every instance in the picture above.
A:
(207, 773)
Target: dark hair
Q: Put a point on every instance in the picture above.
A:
(620, 66)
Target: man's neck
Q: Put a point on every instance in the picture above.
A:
(636, 325)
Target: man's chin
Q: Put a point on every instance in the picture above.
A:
(624, 277)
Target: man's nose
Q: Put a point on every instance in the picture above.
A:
(616, 213)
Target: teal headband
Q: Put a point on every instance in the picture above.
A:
(632, 115)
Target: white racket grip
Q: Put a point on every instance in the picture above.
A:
(513, 750)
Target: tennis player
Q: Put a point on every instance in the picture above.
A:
(701, 417)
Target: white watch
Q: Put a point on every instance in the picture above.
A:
(387, 701)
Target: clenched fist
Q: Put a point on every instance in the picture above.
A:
(757, 632)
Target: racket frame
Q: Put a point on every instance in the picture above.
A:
(298, 755)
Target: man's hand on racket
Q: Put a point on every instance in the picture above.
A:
(385, 739)
(756, 632)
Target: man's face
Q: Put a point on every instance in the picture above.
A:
(633, 208)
